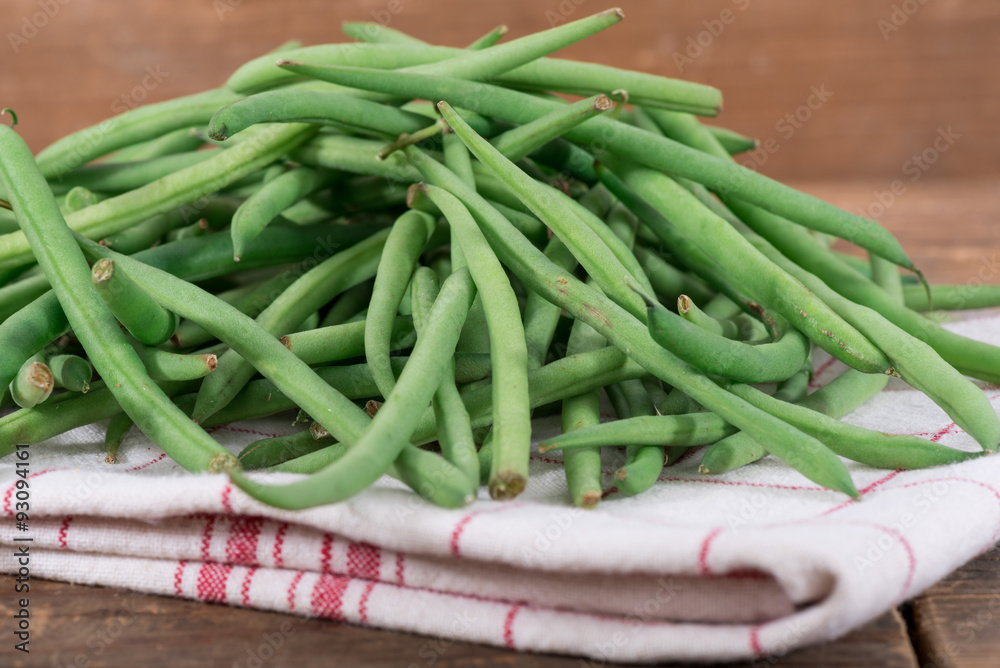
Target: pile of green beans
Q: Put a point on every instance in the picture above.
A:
(413, 279)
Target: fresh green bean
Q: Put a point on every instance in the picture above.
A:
(718, 356)
(643, 463)
(181, 140)
(403, 246)
(768, 283)
(79, 198)
(340, 342)
(593, 254)
(139, 313)
(386, 436)
(733, 142)
(522, 140)
(188, 185)
(351, 302)
(71, 372)
(535, 270)
(667, 281)
(454, 430)
(308, 293)
(952, 297)
(32, 385)
(690, 312)
(120, 177)
(118, 428)
(583, 466)
(267, 203)
(489, 39)
(131, 127)
(512, 415)
(53, 245)
(164, 365)
(634, 144)
(273, 451)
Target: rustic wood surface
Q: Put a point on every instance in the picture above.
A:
(949, 228)
(896, 78)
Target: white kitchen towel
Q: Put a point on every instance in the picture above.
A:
(752, 563)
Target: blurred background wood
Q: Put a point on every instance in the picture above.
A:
(898, 70)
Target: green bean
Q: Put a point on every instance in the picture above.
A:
(633, 143)
(769, 284)
(42, 321)
(164, 365)
(181, 140)
(273, 451)
(80, 198)
(583, 466)
(733, 142)
(522, 140)
(261, 73)
(267, 203)
(183, 187)
(53, 245)
(720, 306)
(681, 245)
(716, 355)
(667, 281)
(738, 449)
(118, 428)
(489, 39)
(334, 343)
(952, 297)
(139, 313)
(690, 312)
(129, 128)
(512, 415)
(643, 463)
(535, 270)
(454, 430)
(32, 385)
(309, 106)
(386, 436)
(350, 303)
(71, 372)
(915, 361)
(307, 294)
(688, 429)
(541, 74)
(541, 317)
(121, 177)
(259, 398)
(968, 356)
(596, 257)
(403, 246)
(249, 340)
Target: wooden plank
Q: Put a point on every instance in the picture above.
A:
(889, 95)
(97, 627)
(957, 621)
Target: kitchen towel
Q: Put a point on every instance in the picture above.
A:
(748, 564)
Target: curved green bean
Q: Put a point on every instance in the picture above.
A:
(54, 247)
(512, 414)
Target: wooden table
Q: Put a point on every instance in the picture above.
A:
(950, 229)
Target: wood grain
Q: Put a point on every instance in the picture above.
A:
(890, 96)
(957, 621)
(95, 627)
